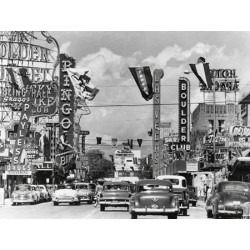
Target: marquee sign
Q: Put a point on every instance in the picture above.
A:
(184, 110)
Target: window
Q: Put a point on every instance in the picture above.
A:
(211, 124)
(221, 125)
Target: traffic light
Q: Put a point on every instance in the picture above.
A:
(211, 157)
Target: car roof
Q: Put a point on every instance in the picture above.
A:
(153, 181)
(116, 183)
(161, 177)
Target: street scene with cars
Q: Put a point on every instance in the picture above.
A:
(102, 131)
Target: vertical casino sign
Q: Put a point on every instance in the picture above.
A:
(66, 110)
(184, 112)
(158, 74)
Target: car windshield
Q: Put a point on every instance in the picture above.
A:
(22, 188)
(116, 187)
(234, 187)
(153, 187)
(173, 181)
(82, 186)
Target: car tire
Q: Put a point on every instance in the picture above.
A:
(172, 216)
(194, 204)
(13, 204)
(216, 216)
(77, 203)
(209, 214)
(133, 215)
(184, 212)
(102, 208)
(55, 203)
(89, 202)
(127, 208)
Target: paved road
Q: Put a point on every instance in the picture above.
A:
(84, 211)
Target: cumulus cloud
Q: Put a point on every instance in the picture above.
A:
(109, 72)
(64, 48)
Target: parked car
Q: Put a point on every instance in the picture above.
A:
(154, 197)
(227, 199)
(180, 188)
(192, 196)
(66, 193)
(246, 210)
(115, 194)
(24, 193)
(38, 192)
(86, 191)
(45, 196)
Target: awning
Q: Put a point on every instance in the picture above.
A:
(246, 99)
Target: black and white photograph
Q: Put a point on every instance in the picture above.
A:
(102, 127)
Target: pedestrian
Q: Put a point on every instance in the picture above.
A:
(98, 191)
(205, 191)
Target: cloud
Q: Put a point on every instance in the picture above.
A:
(109, 72)
(64, 48)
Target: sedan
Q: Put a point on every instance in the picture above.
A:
(227, 199)
(154, 197)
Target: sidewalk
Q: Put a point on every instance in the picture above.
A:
(7, 202)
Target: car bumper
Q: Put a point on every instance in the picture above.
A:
(154, 210)
(230, 212)
(65, 200)
(22, 200)
(114, 203)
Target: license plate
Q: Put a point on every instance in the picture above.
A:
(154, 206)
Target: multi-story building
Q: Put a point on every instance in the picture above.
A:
(204, 121)
(126, 163)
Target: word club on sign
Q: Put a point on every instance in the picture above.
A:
(184, 110)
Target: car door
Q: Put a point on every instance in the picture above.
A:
(211, 197)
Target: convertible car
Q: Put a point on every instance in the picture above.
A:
(227, 199)
(86, 191)
(24, 193)
(115, 194)
(154, 197)
(66, 194)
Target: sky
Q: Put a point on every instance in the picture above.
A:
(108, 54)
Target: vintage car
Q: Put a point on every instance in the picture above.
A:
(24, 193)
(45, 196)
(192, 196)
(180, 188)
(227, 199)
(66, 193)
(38, 192)
(246, 210)
(115, 194)
(154, 197)
(86, 191)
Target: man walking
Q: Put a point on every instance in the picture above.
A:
(98, 191)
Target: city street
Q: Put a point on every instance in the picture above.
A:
(84, 211)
